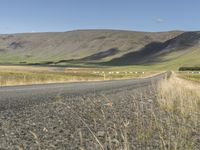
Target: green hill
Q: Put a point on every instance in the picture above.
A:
(161, 50)
(183, 50)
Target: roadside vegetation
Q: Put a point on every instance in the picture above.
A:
(189, 69)
(193, 76)
(24, 78)
(40, 75)
(179, 116)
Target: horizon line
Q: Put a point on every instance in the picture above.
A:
(93, 29)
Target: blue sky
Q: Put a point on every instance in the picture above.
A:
(64, 15)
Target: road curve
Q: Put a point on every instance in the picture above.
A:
(19, 96)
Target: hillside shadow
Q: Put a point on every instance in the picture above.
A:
(140, 56)
(101, 55)
(93, 57)
(153, 52)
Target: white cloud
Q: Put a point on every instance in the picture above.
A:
(160, 20)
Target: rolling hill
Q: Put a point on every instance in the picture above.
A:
(102, 47)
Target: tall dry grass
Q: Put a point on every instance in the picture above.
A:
(9, 78)
(23, 78)
(179, 95)
(179, 103)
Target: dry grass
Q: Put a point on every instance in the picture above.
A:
(23, 75)
(179, 101)
(193, 76)
(180, 92)
(24, 78)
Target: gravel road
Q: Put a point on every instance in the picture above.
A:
(74, 115)
(19, 96)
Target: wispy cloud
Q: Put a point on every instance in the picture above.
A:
(160, 20)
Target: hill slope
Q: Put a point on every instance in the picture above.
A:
(103, 47)
(179, 49)
(39, 47)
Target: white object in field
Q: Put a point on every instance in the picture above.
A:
(136, 72)
(142, 72)
(104, 75)
(117, 72)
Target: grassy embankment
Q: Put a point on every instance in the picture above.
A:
(19, 75)
(193, 76)
(179, 101)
